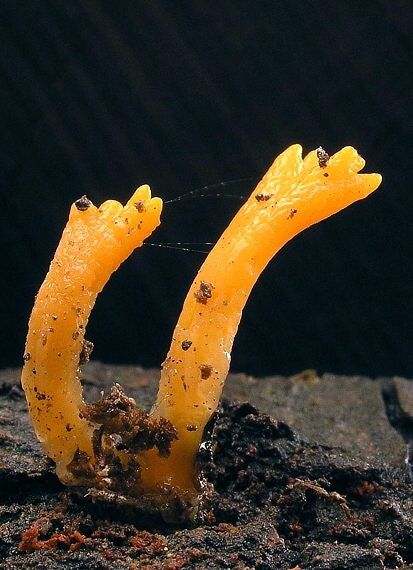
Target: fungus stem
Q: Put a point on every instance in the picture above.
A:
(293, 195)
(111, 444)
(93, 245)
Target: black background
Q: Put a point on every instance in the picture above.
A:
(97, 98)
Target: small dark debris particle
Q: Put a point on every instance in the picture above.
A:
(191, 427)
(75, 335)
(83, 204)
(40, 396)
(183, 382)
(87, 348)
(26, 356)
(140, 206)
(68, 428)
(291, 214)
(323, 157)
(186, 344)
(325, 174)
(262, 197)
(204, 292)
(206, 371)
(80, 466)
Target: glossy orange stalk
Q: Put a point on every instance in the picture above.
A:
(93, 245)
(293, 195)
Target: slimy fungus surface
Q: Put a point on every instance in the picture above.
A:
(112, 445)
(93, 245)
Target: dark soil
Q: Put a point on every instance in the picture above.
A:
(281, 499)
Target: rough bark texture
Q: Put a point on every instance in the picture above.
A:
(322, 481)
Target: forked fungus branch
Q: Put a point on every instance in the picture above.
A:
(113, 445)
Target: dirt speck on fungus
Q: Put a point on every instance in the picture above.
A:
(323, 157)
(206, 371)
(81, 466)
(291, 213)
(204, 292)
(135, 430)
(140, 206)
(262, 197)
(186, 344)
(87, 348)
(83, 204)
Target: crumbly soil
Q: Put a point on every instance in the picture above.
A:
(308, 473)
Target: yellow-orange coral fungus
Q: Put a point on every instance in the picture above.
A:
(93, 245)
(111, 444)
(293, 195)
